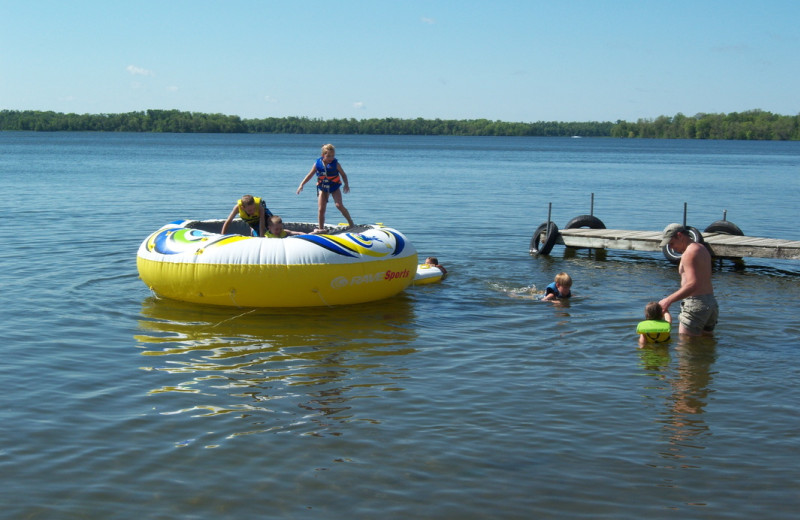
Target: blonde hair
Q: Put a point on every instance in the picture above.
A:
(248, 200)
(328, 147)
(563, 279)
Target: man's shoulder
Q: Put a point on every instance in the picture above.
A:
(695, 249)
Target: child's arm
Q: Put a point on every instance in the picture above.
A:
(229, 219)
(668, 317)
(346, 187)
(642, 340)
(308, 177)
(262, 226)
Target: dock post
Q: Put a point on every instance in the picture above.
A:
(724, 214)
(549, 211)
(684, 213)
(591, 206)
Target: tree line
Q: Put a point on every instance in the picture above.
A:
(178, 122)
(171, 121)
(420, 126)
(750, 125)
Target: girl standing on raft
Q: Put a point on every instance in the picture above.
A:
(329, 179)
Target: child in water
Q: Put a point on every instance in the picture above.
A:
(656, 327)
(434, 262)
(560, 288)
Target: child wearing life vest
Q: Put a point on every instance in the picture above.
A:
(560, 288)
(276, 230)
(329, 179)
(252, 210)
(656, 327)
(434, 262)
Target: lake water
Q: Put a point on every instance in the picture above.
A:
(451, 401)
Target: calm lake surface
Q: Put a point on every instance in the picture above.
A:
(452, 401)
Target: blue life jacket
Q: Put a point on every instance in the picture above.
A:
(552, 289)
(328, 175)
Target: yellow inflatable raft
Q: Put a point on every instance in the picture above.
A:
(191, 261)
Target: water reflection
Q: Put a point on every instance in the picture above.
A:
(687, 383)
(301, 369)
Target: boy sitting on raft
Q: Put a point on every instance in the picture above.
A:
(656, 327)
(276, 230)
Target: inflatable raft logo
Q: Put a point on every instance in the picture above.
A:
(340, 281)
(356, 244)
(173, 241)
(391, 275)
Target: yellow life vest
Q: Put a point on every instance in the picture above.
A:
(283, 234)
(655, 331)
(250, 219)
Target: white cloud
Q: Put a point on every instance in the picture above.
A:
(427, 20)
(172, 88)
(359, 105)
(138, 71)
(270, 99)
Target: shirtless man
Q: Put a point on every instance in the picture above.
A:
(699, 309)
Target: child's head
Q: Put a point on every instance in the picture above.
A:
(432, 260)
(653, 311)
(328, 151)
(275, 224)
(248, 201)
(564, 280)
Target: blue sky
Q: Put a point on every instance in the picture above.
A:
(527, 60)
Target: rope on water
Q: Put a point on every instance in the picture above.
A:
(233, 318)
(321, 298)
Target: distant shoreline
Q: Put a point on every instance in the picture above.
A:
(750, 125)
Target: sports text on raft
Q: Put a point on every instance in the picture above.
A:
(388, 276)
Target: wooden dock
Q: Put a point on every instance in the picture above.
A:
(719, 244)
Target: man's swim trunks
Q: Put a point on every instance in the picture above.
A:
(699, 313)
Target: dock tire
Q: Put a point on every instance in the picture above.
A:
(696, 235)
(724, 226)
(727, 228)
(587, 221)
(543, 247)
(674, 256)
(670, 254)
